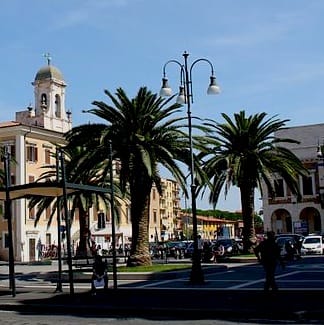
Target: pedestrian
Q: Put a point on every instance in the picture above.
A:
(268, 254)
(200, 246)
(40, 249)
(206, 252)
(218, 251)
(99, 274)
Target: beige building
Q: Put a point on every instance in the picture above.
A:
(31, 140)
(284, 213)
(165, 220)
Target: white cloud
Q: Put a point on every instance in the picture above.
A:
(89, 12)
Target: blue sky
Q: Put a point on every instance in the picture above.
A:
(268, 56)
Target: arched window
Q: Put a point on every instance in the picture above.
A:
(43, 100)
(57, 106)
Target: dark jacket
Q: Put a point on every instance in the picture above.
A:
(268, 252)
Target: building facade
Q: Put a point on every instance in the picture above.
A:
(165, 221)
(31, 140)
(285, 213)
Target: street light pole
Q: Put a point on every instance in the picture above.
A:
(58, 211)
(185, 96)
(8, 216)
(320, 170)
(112, 212)
(67, 222)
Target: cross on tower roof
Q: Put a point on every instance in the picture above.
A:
(48, 57)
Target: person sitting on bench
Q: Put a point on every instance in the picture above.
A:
(99, 275)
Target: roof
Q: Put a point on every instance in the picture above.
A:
(49, 72)
(46, 189)
(9, 123)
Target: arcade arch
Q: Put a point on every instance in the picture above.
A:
(312, 219)
(281, 221)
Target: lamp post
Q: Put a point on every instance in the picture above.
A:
(112, 212)
(58, 210)
(67, 221)
(185, 96)
(320, 170)
(8, 216)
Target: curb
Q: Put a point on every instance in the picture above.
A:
(85, 275)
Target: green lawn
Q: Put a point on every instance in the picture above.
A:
(153, 268)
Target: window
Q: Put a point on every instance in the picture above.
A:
(44, 100)
(32, 153)
(48, 213)
(48, 239)
(13, 179)
(6, 240)
(101, 220)
(307, 185)
(154, 217)
(3, 210)
(13, 151)
(57, 106)
(32, 213)
(47, 156)
(279, 188)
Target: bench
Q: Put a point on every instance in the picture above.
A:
(80, 262)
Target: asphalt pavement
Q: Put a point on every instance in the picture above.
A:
(186, 302)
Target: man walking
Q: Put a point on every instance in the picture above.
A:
(268, 254)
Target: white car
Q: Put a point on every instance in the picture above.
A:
(312, 245)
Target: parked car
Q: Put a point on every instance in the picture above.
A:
(297, 237)
(231, 247)
(176, 249)
(288, 247)
(312, 244)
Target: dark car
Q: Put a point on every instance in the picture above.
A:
(297, 238)
(289, 248)
(176, 249)
(189, 250)
(231, 247)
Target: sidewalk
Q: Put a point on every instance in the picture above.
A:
(185, 303)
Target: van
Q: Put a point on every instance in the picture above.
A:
(312, 244)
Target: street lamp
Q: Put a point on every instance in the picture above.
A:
(185, 96)
(320, 170)
(8, 216)
(112, 212)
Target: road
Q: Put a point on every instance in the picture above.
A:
(233, 284)
(305, 274)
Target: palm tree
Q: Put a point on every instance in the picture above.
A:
(144, 134)
(77, 171)
(244, 152)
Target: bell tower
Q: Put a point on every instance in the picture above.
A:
(49, 93)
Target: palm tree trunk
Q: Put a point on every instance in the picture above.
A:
(84, 247)
(247, 204)
(140, 193)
